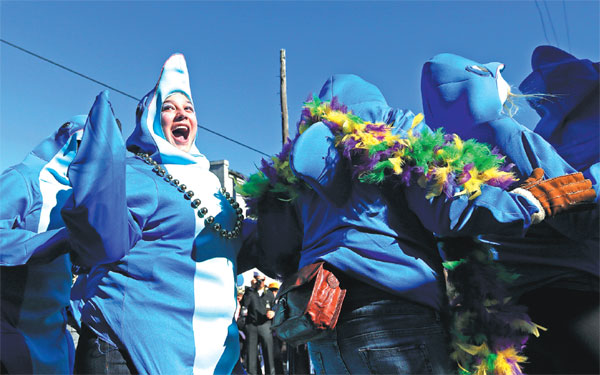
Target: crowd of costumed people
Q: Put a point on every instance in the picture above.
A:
(461, 241)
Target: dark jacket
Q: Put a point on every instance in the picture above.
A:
(258, 305)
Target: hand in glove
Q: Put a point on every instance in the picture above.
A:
(557, 194)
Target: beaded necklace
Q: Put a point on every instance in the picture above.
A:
(209, 221)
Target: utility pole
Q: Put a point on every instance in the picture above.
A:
(283, 94)
(298, 359)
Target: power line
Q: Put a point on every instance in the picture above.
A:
(234, 141)
(69, 69)
(542, 19)
(551, 23)
(123, 93)
(566, 25)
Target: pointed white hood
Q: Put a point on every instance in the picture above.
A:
(148, 135)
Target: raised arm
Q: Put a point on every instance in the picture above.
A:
(96, 215)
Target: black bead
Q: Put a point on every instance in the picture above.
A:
(200, 214)
(217, 226)
(189, 194)
(168, 178)
(209, 220)
(175, 182)
(235, 204)
(195, 203)
(238, 210)
(223, 190)
(204, 210)
(227, 195)
(224, 232)
(161, 172)
(182, 188)
(231, 201)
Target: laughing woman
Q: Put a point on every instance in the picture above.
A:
(168, 306)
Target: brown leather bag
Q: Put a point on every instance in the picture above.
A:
(307, 305)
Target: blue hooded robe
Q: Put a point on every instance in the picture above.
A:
(35, 251)
(170, 302)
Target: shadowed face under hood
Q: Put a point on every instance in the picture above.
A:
(459, 93)
(148, 135)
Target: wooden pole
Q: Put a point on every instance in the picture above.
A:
(283, 94)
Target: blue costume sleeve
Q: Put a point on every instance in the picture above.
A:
(523, 147)
(97, 175)
(495, 211)
(18, 245)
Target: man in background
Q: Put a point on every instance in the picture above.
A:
(259, 301)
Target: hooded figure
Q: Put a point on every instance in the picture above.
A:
(35, 250)
(379, 241)
(169, 304)
(557, 259)
(570, 120)
(466, 97)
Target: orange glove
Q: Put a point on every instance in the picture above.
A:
(561, 193)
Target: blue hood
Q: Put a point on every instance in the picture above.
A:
(148, 135)
(457, 95)
(569, 116)
(55, 153)
(49, 147)
(361, 97)
(366, 101)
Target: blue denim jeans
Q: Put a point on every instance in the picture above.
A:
(384, 337)
(96, 356)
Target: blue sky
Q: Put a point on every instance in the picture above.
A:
(232, 51)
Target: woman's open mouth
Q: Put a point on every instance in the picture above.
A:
(180, 133)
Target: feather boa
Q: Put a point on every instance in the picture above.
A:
(439, 162)
(488, 329)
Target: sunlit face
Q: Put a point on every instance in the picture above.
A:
(178, 121)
